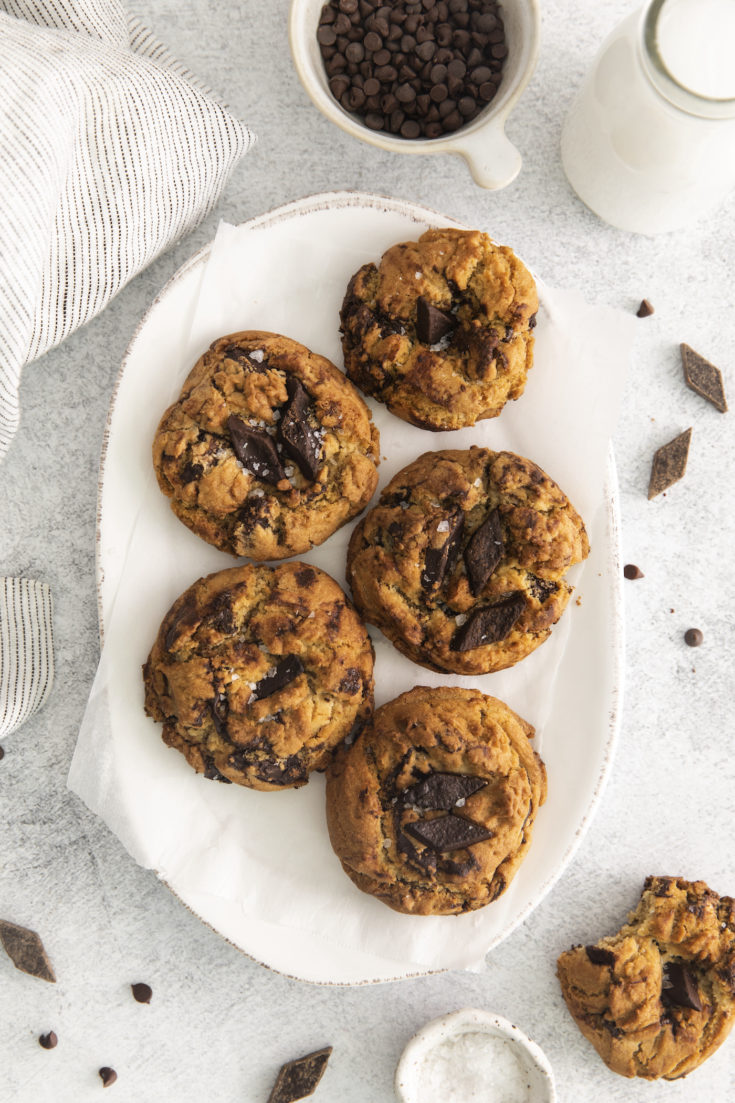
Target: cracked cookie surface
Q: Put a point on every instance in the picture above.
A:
(461, 562)
(268, 450)
(657, 998)
(431, 809)
(441, 330)
(258, 672)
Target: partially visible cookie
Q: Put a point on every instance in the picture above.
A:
(268, 449)
(441, 330)
(431, 809)
(657, 998)
(461, 563)
(258, 672)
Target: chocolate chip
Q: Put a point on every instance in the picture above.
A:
(48, 1041)
(299, 439)
(2, 754)
(669, 464)
(300, 1077)
(447, 833)
(489, 623)
(142, 992)
(600, 956)
(255, 451)
(352, 682)
(440, 792)
(283, 673)
(108, 1076)
(26, 951)
(693, 637)
(645, 310)
(678, 986)
(631, 571)
(432, 323)
(438, 562)
(211, 773)
(703, 377)
(483, 552)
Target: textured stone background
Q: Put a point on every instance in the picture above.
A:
(220, 1025)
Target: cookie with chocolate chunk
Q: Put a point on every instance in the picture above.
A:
(431, 809)
(258, 672)
(461, 563)
(268, 449)
(441, 330)
(658, 998)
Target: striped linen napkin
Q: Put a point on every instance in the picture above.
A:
(26, 650)
(109, 151)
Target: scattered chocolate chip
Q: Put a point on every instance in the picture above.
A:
(142, 992)
(489, 623)
(645, 310)
(108, 1076)
(483, 552)
(440, 792)
(669, 464)
(48, 1041)
(299, 439)
(693, 637)
(631, 571)
(432, 323)
(255, 451)
(448, 832)
(438, 562)
(26, 951)
(678, 986)
(703, 377)
(2, 754)
(599, 956)
(284, 672)
(300, 1077)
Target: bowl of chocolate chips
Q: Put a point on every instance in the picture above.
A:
(421, 76)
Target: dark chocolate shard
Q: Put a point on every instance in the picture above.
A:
(669, 464)
(255, 451)
(678, 986)
(645, 310)
(142, 992)
(489, 623)
(432, 323)
(483, 552)
(703, 377)
(299, 1078)
(448, 832)
(439, 562)
(598, 955)
(26, 951)
(440, 792)
(299, 438)
(280, 675)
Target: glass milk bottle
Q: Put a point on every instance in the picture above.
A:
(649, 143)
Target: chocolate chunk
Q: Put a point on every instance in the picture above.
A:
(300, 1077)
(299, 438)
(645, 310)
(669, 464)
(693, 637)
(448, 832)
(432, 323)
(442, 791)
(439, 562)
(287, 772)
(26, 951)
(483, 552)
(631, 571)
(489, 623)
(352, 681)
(48, 1041)
(255, 451)
(703, 377)
(599, 956)
(142, 992)
(108, 1076)
(211, 773)
(678, 986)
(541, 588)
(220, 709)
(284, 672)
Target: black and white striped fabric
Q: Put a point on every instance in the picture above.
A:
(109, 152)
(26, 650)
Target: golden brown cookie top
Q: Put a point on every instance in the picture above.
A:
(268, 449)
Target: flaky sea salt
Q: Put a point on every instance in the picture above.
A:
(257, 355)
(443, 526)
(473, 1068)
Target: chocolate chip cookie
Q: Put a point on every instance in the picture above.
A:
(268, 449)
(441, 330)
(431, 809)
(258, 672)
(461, 563)
(657, 998)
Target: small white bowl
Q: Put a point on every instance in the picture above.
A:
(493, 161)
(537, 1079)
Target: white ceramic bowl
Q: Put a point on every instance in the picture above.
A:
(537, 1078)
(494, 162)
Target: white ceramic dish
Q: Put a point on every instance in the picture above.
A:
(536, 1086)
(493, 161)
(342, 230)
